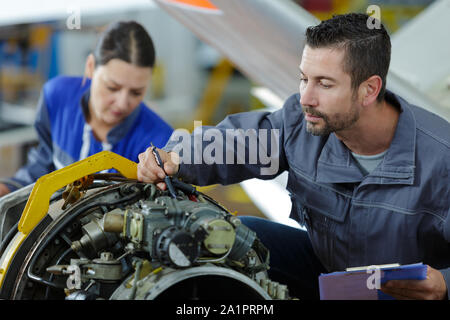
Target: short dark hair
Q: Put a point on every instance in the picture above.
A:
(367, 50)
(127, 41)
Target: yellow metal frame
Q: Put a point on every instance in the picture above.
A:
(39, 199)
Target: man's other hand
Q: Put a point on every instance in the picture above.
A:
(432, 288)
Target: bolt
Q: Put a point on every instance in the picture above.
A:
(76, 245)
(235, 221)
(143, 204)
(106, 256)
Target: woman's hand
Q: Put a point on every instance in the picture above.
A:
(4, 189)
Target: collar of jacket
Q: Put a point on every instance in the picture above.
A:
(336, 165)
(119, 131)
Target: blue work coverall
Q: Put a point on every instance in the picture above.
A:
(65, 137)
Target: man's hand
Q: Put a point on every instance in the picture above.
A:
(432, 288)
(4, 189)
(149, 171)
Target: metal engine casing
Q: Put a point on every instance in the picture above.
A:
(130, 240)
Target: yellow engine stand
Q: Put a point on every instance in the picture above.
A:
(39, 199)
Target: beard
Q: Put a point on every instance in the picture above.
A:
(331, 123)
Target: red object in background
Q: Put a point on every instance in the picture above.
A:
(192, 198)
(316, 5)
(203, 4)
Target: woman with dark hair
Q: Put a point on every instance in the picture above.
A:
(81, 116)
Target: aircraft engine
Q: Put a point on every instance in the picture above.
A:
(110, 237)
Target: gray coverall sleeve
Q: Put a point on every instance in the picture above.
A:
(446, 272)
(242, 146)
(40, 158)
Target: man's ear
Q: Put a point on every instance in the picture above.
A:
(370, 89)
(89, 66)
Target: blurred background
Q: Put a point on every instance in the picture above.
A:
(191, 81)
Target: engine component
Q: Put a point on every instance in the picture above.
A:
(129, 240)
(95, 238)
(179, 231)
(201, 282)
(75, 190)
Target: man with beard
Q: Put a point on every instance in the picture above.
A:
(368, 171)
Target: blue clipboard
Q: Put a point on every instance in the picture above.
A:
(360, 283)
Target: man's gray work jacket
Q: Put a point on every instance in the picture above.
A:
(398, 213)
